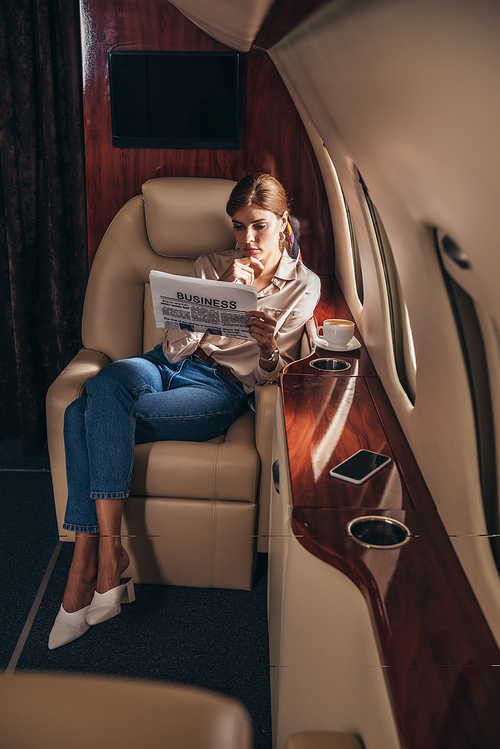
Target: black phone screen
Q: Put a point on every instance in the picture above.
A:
(360, 465)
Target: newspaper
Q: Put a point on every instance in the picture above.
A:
(201, 305)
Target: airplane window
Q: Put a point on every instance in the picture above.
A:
(468, 322)
(401, 333)
(358, 273)
(356, 260)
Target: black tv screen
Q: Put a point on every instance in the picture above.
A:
(174, 99)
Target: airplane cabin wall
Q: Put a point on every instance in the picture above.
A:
(273, 137)
(407, 92)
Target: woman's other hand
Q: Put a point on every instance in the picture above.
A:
(261, 327)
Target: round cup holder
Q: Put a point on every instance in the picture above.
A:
(330, 365)
(377, 532)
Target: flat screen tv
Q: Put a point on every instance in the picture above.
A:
(174, 99)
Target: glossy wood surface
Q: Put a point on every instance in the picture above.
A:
(439, 654)
(435, 645)
(329, 418)
(273, 137)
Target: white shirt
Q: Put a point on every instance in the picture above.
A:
(292, 282)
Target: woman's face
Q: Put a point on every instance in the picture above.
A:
(257, 233)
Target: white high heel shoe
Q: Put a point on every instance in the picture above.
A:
(68, 627)
(105, 606)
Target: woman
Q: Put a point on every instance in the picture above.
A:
(191, 387)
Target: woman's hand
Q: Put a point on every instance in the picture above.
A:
(242, 270)
(261, 327)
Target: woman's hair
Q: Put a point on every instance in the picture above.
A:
(262, 190)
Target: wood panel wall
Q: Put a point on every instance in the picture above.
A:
(273, 138)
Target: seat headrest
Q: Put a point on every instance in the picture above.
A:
(186, 216)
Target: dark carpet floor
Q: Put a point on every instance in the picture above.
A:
(216, 639)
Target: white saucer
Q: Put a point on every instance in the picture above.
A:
(323, 343)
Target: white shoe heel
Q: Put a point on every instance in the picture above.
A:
(68, 627)
(105, 606)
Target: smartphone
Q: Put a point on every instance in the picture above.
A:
(359, 467)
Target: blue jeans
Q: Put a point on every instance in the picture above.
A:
(131, 401)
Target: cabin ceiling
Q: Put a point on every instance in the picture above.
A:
(246, 23)
(233, 24)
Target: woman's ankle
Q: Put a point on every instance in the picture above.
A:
(85, 552)
(113, 561)
(82, 576)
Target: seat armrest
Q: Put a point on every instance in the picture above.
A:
(64, 390)
(265, 400)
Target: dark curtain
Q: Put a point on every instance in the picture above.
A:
(43, 244)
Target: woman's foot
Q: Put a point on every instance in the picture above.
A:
(105, 606)
(68, 627)
(78, 593)
(113, 561)
(110, 592)
(70, 623)
(82, 576)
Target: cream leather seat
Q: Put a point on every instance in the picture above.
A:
(66, 711)
(192, 512)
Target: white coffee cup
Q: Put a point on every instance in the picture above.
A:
(337, 332)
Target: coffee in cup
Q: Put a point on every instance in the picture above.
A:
(337, 332)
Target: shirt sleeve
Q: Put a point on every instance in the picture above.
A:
(290, 333)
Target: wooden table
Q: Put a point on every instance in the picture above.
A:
(433, 638)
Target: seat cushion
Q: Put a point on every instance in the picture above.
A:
(186, 217)
(197, 543)
(62, 710)
(227, 470)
